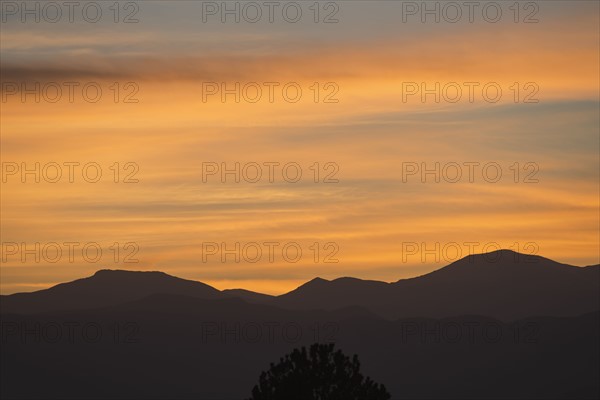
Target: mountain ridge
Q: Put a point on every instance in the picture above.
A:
(506, 284)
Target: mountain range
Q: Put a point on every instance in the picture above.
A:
(495, 325)
(502, 284)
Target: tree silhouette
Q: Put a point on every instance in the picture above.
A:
(319, 374)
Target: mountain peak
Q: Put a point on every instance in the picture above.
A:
(115, 272)
(316, 281)
(346, 279)
(504, 257)
(108, 287)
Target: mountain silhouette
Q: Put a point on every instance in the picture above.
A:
(104, 288)
(495, 325)
(501, 284)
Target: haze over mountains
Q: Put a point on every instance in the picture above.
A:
(502, 284)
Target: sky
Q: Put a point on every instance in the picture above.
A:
(383, 145)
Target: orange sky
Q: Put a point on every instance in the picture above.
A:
(369, 134)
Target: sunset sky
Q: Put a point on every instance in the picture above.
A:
(366, 62)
